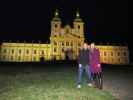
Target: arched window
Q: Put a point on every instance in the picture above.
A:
(62, 43)
(67, 30)
(62, 49)
(20, 51)
(55, 26)
(4, 51)
(118, 53)
(105, 53)
(119, 60)
(27, 51)
(34, 51)
(124, 53)
(42, 52)
(55, 43)
(78, 26)
(12, 51)
(67, 43)
(54, 49)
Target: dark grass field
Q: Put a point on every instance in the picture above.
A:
(118, 79)
(45, 81)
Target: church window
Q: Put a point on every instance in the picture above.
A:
(19, 51)
(105, 53)
(54, 35)
(67, 30)
(27, 51)
(4, 51)
(42, 52)
(118, 53)
(62, 49)
(55, 25)
(34, 51)
(54, 49)
(124, 53)
(55, 43)
(62, 43)
(12, 51)
(78, 26)
(119, 60)
(67, 43)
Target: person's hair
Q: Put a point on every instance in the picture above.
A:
(92, 42)
(85, 43)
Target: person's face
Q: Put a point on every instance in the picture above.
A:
(92, 45)
(85, 46)
(88, 46)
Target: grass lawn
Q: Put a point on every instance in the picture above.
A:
(46, 85)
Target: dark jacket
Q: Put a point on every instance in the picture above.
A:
(83, 57)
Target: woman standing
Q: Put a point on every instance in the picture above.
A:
(95, 66)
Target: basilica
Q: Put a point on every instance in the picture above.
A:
(65, 43)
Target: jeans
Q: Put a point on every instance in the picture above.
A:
(80, 73)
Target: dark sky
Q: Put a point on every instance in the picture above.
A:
(105, 20)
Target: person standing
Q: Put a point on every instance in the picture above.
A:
(95, 66)
(83, 65)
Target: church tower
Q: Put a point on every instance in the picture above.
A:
(55, 24)
(78, 26)
(55, 35)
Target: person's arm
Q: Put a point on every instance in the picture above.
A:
(89, 56)
(98, 58)
(79, 59)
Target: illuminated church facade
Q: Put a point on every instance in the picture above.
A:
(65, 43)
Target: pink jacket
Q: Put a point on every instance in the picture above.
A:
(94, 61)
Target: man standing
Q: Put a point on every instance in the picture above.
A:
(83, 61)
(95, 65)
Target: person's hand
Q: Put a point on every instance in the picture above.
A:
(80, 65)
(99, 65)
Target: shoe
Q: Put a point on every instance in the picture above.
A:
(89, 84)
(79, 86)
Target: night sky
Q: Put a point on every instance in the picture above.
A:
(105, 20)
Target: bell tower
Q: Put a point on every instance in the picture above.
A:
(78, 25)
(56, 24)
